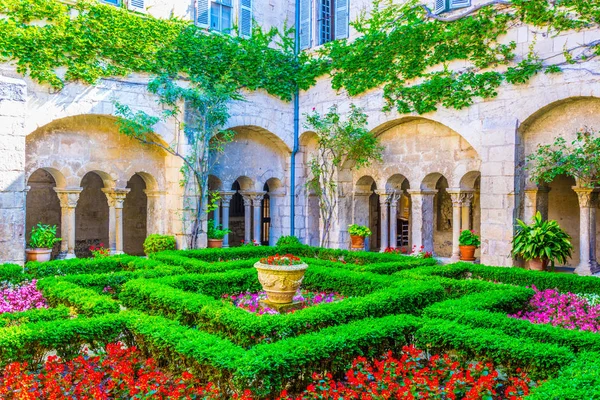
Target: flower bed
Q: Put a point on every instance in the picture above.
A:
(251, 301)
(120, 372)
(21, 297)
(566, 310)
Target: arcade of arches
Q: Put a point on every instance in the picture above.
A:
(98, 186)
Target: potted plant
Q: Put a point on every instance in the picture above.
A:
(43, 238)
(358, 233)
(280, 277)
(468, 242)
(541, 243)
(215, 235)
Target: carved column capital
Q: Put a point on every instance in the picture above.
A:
(457, 196)
(257, 197)
(68, 197)
(585, 196)
(226, 196)
(384, 196)
(116, 196)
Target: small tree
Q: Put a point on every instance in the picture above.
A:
(580, 159)
(341, 143)
(205, 110)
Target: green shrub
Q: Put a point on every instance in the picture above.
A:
(12, 273)
(156, 243)
(34, 315)
(85, 301)
(288, 241)
(580, 380)
(88, 266)
(359, 230)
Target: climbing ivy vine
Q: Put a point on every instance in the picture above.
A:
(402, 48)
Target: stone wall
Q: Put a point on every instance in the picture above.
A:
(13, 95)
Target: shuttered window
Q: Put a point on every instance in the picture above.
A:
(333, 20)
(112, 2)
(246, 18)
(441, 6)
(202, 13)
(136, 5)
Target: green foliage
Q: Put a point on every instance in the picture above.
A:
(579, 380)
(12, 273)
(359, 230)
(468, 238)
(545, 240)
(43, 237)
(289, 240)
(215, 230)
(156, 243)
(341, 144)
(85, 301)
(87, 266)
(34, 315)
(407, 51)
(580, 160)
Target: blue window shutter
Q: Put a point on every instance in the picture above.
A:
(439, 7)
(202, 14)
(342, 17)
(137, 5)
(246, 18)
(305, 23)
(454, 4)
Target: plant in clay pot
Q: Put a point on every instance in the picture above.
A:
(541, 242)
(280, 277)
(468, 242)
(43, 238)
(358, 233)
(215, 234)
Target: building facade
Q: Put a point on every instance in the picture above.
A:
(63, 161)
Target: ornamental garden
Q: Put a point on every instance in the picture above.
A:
(214, 324)
(396, 200)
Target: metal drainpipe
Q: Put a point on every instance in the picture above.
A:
(296, 124)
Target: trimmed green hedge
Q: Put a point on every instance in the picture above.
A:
(85, 301)
(34, 315)
(88, 266)
(12, 273)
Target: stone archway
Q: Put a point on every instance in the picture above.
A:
(91, 216)
(367, 210)
(43, 205)
(135, 216)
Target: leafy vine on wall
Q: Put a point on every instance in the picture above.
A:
(403, 49)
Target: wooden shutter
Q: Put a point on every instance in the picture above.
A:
(246, 18)
(342, 13)
(454, 4)
(305, 23)
(439, 7)
(137, 5)
(202, 13)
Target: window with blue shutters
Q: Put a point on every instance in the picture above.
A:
(441, 6)
(112, 2)
(220, 15)
(333, 20)
(136, 5)
(305, 24)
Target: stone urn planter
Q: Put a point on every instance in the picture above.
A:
(467, 253)
(538, 264)
(215, 243)
(279, 278)
(40, 255)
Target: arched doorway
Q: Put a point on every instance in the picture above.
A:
(367, 210)
(442, 233)
(43, 205)
(399, 237)
(135, 216)
(237, 216)
(91, 216)
(265, 233)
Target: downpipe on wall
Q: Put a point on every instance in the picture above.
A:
(296, 125)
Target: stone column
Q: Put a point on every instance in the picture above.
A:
(256, 206)
(116, 198)
(467, 202)
(457, 205)
(155, 220)
(225, 203)
(585, 205)
(394, 198)
(68, 202)
(536, 199)
(384, 198)
(422, 218)
(247, 217)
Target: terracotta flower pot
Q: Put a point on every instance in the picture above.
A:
(214, 243)
(41, 255)
(538, 264)
(357, 242)
(467, 253)
(281, 282)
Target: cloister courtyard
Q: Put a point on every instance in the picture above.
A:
(338, 199)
